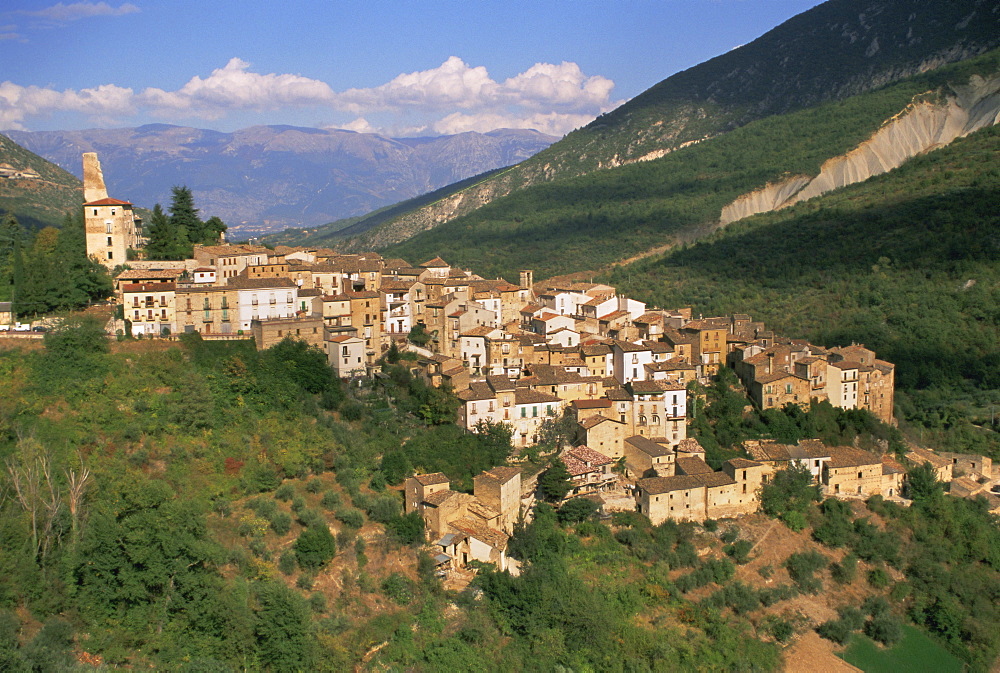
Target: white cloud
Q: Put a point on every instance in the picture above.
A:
(451, 98)
(81, 10)
(360, 125)
(553, 123)
(234, 87)
(18, 103)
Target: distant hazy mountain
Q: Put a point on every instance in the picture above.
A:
(266, 178)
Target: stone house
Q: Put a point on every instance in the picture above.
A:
(852, 471)
(150, 307)
(589, 470)
(269, 332)
(206, 309)
(346, 354)
(643, 457)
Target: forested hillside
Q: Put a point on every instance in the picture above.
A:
(36, 202)
(838, 49)
(202, 506)
(907, 263)
(595, 220)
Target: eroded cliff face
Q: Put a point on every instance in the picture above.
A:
(931, 121)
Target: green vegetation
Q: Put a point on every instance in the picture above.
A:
(172, 237)
(566, 226)
(49, 271)
(914, 652)
(907, 266)
(37, 203)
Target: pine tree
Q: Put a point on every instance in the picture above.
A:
(184, 216)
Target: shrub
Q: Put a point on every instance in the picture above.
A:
(317, 602)
(305, 581)
(879, 578)
(834, 630)
(739, 551)
(730, 535)
(287, 563)
(885, 628)
(845, 571)
(408, 528)
(281, 523)
(350, 517)
(801, 567)
(780, 629)
(576, 510)
(398, 588)
(711, 525)
(314, 485)
(330, 500)
(315, 547)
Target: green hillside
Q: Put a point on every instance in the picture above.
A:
(907, 263)
(39, 202)
(594, 220)
(334, 232)
(836, 50)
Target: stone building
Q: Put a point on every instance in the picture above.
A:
(112, 228)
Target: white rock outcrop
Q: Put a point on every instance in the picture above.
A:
(923, 126)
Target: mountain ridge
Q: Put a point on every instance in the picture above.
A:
(264, 178)
(837, 49)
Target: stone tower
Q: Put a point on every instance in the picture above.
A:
(112, 228)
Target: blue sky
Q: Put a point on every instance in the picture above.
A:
(406, 67)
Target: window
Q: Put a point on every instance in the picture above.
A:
(109, 241)
(111, 255)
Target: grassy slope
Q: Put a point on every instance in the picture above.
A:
(906, 262)
(594, 220)
(37, 203)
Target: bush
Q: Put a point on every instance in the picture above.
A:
(885, 628)
(281, 523)
(879, 578)
(780, 629)
(576, 510)
(801, 567)
(730, 535)
(350, 517)
(330, 500)
(287, 563)
(314, 485)
(834, 630)
(305, 581)
(739, 551)
(315, 547)
(845, 571)
(407, 529)
(398, 588)
(317, 602)
(710, 525)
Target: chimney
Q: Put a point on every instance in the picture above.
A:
(93, 179)
(770, 359)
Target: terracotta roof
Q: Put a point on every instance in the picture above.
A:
(502, 473)
(692, 465)
(592, 404)
(432, 478)
(529, 396)
(148, 287)
(436, 263)
(690, 445)
(648, 446)
(595, 420)
(742, 463)
(439, 497)
(108, 202)
(244, 283)
(588, 455)
(149, 273)
(845, 456)
(491, 536)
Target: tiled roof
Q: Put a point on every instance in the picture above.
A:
(692, 465)
(845, 456)
(491, 536)
(742, 463)
(588, 455)
(648, 446)
(501, 473)
(107, 202)
(432, 478)
(529, 396)
(148, 287)
(439, 497)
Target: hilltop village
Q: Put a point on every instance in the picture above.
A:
(613, 370)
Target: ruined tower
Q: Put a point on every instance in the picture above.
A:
(112, 228)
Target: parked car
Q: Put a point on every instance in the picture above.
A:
(22, 327)
(4, 328)
(39, 328)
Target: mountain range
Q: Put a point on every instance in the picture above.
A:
(266, 178)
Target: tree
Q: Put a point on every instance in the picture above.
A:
(165, 241)
(184, 216)
(315, 547)
(789, 494)
(554, 483)
(282, 627)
